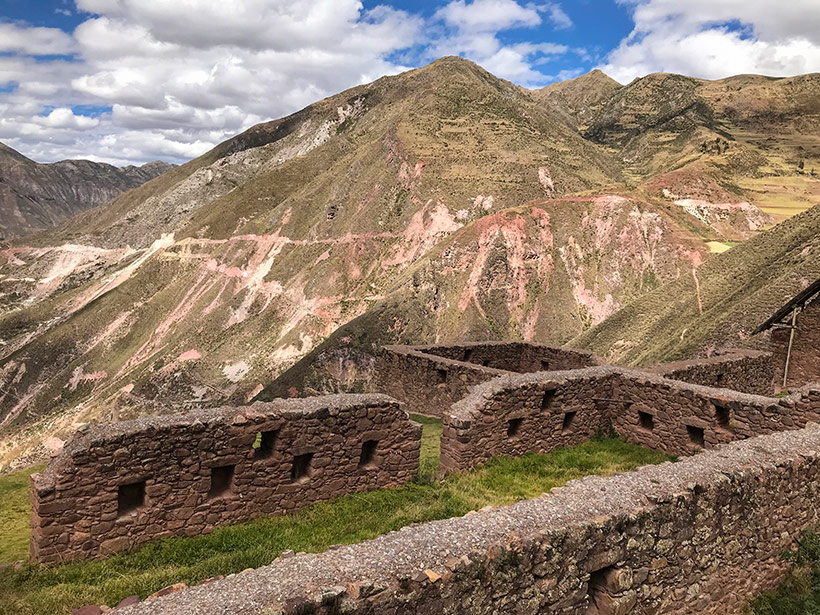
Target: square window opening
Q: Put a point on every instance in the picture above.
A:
(301, 469)
(696, 435)
(599, 589)
(367, 459)
(569, 419)
(546, 401)
(264, 444)
(647, 421)
(468, 354)
(221, 481)
(514, 427)
(723, 415)
(545, 365)
(130, 497)
(441, 376)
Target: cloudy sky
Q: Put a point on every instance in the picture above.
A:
(128, 81)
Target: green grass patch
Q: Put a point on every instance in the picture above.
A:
(15, 510)
(348, 519)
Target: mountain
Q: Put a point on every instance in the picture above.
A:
(439, 204)
(720, 304)
(35, 197)
(578, 100)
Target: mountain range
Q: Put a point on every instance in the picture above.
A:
(437, 205)
(35, 197)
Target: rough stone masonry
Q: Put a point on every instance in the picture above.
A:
(119, 485)
(697, 536)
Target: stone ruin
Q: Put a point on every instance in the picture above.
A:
(697, 536)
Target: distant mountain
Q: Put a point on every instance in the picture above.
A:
(436, 205)
(35, 197)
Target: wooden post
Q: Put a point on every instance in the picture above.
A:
(789, 351)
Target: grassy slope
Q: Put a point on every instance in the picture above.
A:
(739, 289)
(348, 519)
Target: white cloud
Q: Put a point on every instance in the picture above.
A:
(488, 15)
(715, 39)
(171, 79)
(35, 41)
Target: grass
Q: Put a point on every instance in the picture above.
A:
(15, 509)
(32, 589)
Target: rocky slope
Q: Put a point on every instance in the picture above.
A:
(35, 197)
(720, 304)
(439, 204)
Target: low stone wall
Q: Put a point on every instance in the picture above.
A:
(520, 357)
(426, 383)
(119, 485)
(429, 379)
(749, 371)
(701, 536)
(540, 412)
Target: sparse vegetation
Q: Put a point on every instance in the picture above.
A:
(799, 594)
(30, 589)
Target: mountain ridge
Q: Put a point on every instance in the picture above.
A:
(435, 205)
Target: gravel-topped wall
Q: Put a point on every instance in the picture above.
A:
(118, 485)
(749, 371)
(539, 412)
(429, 379)
(701, 536)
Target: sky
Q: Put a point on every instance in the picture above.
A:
(130, 81)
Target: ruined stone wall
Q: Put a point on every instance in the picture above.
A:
(426, 383)
(518, 357)
(429, 379)
(805, 359)
(116, 486)
(539, 412)
(749, 371)
(700, 536)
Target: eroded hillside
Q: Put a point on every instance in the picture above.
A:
(440, 204)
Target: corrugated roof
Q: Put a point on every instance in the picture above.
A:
(799, 300)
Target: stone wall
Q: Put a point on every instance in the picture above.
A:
(804, 365)
(749, 371)
(700, 536)
(429, 379)
(426, 383)
(116, 486)
(540, 412)
(521, 357)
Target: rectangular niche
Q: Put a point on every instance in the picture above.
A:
(468, 354)
(301, 469)
(221, 481)
(514, 427)
(696, 435)
(569, 419)
(441, 376)
(547, 399)
(646, 420)
(130, 497)
(545, 365)
(367, 459)
(722, 415)
(264, 444)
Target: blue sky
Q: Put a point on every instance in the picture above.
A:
(127, 81)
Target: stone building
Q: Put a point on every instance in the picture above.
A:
(795, 338)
